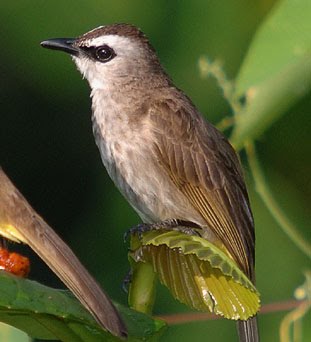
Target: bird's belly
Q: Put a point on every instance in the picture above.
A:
(144, 183)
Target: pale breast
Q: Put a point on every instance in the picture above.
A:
(126, 152)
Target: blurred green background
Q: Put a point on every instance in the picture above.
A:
(47, 147)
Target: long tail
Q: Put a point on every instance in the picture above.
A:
(248, 330)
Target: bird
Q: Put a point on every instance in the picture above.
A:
(170, 163)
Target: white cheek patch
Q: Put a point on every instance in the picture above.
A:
(81, 64)
(89, 71)
(97, 84)
(98, 73)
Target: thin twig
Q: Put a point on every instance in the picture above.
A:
(271, 204)
(293, 318)
(182, 318)
(215, 69)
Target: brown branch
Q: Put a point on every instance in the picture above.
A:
(19, 222)
(176, 319)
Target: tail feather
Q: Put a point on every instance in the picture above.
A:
(248, 330)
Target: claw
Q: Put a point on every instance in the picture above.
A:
(189, 231)
(139, 230)
(126, 236)
(127, 281)
(185, 227)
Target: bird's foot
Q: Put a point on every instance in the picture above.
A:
(185, 227)
(138, 230)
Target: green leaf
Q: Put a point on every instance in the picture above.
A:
(277, 69)
(199, 274)
(47, 313)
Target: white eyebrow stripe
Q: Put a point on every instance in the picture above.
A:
(110, 40)
(96, 28)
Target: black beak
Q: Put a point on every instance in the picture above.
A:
(62, 44)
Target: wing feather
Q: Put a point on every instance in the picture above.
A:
(204, 166)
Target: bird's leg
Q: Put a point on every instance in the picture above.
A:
(182, 226)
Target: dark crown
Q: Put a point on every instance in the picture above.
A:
(124, 30)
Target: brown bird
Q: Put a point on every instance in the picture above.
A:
(170, 163)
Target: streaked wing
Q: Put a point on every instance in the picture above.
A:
(204, 166)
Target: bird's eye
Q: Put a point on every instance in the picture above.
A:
(104, 53)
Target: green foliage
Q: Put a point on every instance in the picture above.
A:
(48, 150)
(49, 314)
(276, 72)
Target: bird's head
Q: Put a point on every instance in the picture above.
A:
(113, 54)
